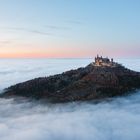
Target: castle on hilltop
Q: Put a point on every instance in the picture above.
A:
(100, 61)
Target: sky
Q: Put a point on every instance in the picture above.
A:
(69, 28)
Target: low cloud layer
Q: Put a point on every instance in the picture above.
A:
(26, 120)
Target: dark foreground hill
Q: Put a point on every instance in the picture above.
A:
(89, 83)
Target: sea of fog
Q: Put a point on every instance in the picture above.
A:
(22, 119)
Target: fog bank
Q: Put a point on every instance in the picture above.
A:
(30, 120)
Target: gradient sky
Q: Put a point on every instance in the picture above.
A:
(69, 28)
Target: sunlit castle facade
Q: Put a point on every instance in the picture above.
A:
(100, 61)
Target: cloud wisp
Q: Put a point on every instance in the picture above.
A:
(34, 31)
(5, 42)
(57, 27)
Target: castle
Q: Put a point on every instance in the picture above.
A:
(100, 61)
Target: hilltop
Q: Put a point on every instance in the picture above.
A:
(100, 79)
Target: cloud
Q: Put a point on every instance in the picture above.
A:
(39, 32)
(29, 30)
(4, 42)
(57, 27)
(26, 120)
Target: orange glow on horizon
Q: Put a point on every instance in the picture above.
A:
(64, 52)
(43, 55)
(49, 52)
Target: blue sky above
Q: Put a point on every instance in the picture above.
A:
(69, 28)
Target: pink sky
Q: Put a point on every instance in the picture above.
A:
(66, 52)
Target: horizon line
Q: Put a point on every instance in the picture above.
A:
(65, 57)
